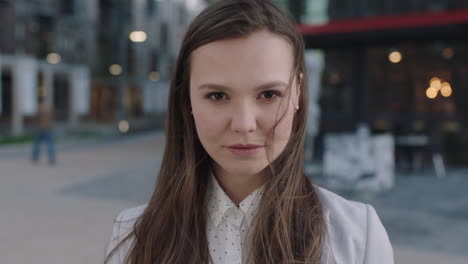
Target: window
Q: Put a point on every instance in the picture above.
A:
(67, 7)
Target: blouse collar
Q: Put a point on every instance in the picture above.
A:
(219, 203)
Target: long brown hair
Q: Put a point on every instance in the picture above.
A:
(289, 225)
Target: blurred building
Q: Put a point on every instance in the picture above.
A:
(45, 47)
(94, 60)
(138, 45)
(400, 66)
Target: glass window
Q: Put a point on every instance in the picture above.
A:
(423, 80)
(7, 30)
(67, 7)
(336, 93)
(151, 7)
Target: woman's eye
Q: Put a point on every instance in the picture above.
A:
(217, 96)
(269, 95)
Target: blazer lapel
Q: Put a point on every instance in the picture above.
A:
(327, 249)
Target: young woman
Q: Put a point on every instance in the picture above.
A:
(231, 188)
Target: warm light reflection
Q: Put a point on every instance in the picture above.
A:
(395, 56)
(436, 84)
(154, 76)
(419, 125)
(138, 36)
(450, 126)
(115, 69)
(124, 126)
(446, 89)
(54, 58)
(431, 93)
(445, 84)
(448, 53)
(335, 78)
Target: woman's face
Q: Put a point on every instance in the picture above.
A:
(238, 92)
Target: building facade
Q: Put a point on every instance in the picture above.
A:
(131, 79)
(86, 59)
(45, 49)
(400, 67)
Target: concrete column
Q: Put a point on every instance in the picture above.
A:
(16, 114)
(141, 56)
(79, 96)
(1, 92)
(91, 12)
(24, 94)
(72, 113)
(48, 78)
(140, 60)
(138, 14)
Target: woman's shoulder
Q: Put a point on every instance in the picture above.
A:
(123, 225)
(338, 206)
(343, 216)
(131, 214)
(354, 230)
(126, 219)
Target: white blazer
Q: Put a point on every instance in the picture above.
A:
(355, 234)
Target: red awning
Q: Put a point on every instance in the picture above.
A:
(404, 21)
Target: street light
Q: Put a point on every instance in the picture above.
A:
(448, 53)
(54, 58)
(446, 89)
(395, 57)
(431, 93)
(124, 126)
(436, 83)
(115, 69)
(154, 76)
(138, 36)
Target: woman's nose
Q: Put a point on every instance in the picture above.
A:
(243, 119)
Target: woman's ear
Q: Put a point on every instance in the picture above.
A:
(299, 81)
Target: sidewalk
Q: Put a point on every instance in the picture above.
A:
(415, 256)
(426, 217)
(64, 214)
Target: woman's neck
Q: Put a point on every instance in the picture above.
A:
(238, 187)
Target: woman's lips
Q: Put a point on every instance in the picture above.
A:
(244, 150)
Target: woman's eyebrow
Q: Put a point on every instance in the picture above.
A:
(270, 85)
(213, 86)
(261, 87)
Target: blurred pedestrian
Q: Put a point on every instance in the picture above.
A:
(232, 188)
(44, 122)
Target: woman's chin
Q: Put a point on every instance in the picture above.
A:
(244, 169)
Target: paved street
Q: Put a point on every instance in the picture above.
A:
(426, 212)
(64, 214)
